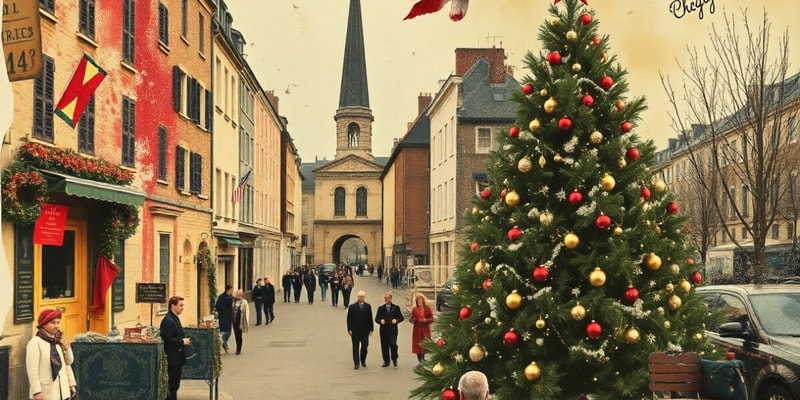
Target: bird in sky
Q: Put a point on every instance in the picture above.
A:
(457, 10)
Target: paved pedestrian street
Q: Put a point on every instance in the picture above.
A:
(306, 354)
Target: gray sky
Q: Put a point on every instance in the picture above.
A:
(296, 47)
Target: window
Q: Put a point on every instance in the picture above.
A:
(361, 202)
(184, 17)
(793, 128)
(201, 39)
(352, 134)
(732, 204)
(724, 236)
(128, 31)
(180, 168)
(163, 259)
(338, 202)
(48, 5)
(128, 132)
(86, 17)
(86, 129)
(163, 24)
(43, 102)
(744, 233)
(776, 229)
(162, 152)
(790, 231)
(483, 140)
(195, 173)
(745, 201)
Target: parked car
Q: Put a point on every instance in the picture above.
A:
(761, 326)
(326, 268)
(445, 295)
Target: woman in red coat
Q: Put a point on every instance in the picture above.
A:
(421, 317)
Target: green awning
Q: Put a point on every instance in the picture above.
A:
(87, 188)
(230, 240)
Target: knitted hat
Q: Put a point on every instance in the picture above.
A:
(46, 316)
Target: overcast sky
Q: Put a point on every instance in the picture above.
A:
(296, 47)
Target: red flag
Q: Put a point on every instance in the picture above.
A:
(81, 87)
(104, 275)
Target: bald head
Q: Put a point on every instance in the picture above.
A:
(473, 385)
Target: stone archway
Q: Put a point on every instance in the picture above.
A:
(350, 249)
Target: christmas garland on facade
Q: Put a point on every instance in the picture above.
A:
(24, 190)
(119, 223)
(205, 263)
(72, 163)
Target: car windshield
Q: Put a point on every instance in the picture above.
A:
(779, 313)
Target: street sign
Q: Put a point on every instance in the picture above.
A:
(22, 39)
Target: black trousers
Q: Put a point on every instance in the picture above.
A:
(310, 296)
(334, 296)
(297, 294)
(237, 333)
(287, 294)
(259, 309)
(174, 373)
(360, 344)
(389, 344)
(346, 296)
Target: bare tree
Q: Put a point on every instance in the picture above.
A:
(739, 99)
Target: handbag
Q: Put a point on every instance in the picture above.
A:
(723, 380)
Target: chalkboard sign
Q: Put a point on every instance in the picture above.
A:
(118, 288)
(151, 292)
(23, 278)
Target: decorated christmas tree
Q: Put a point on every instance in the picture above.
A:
(577, 265)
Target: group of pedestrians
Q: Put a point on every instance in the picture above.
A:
(293, 281)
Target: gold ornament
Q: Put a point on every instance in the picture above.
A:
(578, 312)
(658, 229)
(669, 287)
(572, 35)
(698, 336)
(576, 68)
(540, 324)
(685, 286)
(595, 137)
(659, 186)
(524, 165)
(631, 335)
(620, 105)
(512, 199)
(667, 325)
(534, 125)
(542, 162)
(455, 289)
(604, 56)
(571, 241)
(543, 93)
(438, 369)
(546, 218)
(557, 158)
(607, 182)
(621, 163)
(617, 231)
(550, 105)
(653, 261)
(597, 278)
(674, 302)
(476, 211)
(675, 269)
(476, 352)
(555, 21)
(513, 300)
(533, 372)
(482, 267)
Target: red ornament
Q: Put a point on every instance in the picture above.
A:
(587, 100)
(514, 234)
(730, 355)
(625, 127)
(602, 221)
(586, 19)
(540, 273)
(464, 313)
(575, 198)
(554, 58)
(487, 283)
(513, 132)
(503, 193)
(606, 82)
(473, 247)
(646, 193)
(596, 41)
(449, 394)
(631, 294)
(672, 207)
(690, 261)
(511, 338)
(593, 330)
(565, 123)
(527, 89)
(440, 342)
(697, 278)
(632, 154)
(486, 194)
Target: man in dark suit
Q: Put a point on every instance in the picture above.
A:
(258, 299)
(172, 335)
(224, 307)
(360, 327)
(388, 316)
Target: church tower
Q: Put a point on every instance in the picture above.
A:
(354, 117)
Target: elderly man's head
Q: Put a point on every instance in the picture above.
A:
(473, 385)
(361, 295)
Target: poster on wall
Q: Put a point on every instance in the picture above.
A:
(49, 227)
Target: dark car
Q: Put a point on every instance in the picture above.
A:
(445, 295)
(761, 326)
(326, 268)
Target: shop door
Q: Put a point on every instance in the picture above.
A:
(60, 278)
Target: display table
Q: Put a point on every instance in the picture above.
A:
(119, 371)
(207, 363)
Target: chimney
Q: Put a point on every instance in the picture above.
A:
(510, 70)
(466, 58)
(423, 101)
(273, 100)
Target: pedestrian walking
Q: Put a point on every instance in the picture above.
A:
(360, 328)
(171, 331)
(224, 307)
(286, 284)
(324, 278)
(336, 285)
(347, 287)
(297, 285)
(473, 385)
(422, 318)
(258, 299)
(310, 282)
(239, 321)
(48, 360)
(387, 317)
(269, 300)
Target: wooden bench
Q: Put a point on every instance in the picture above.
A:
(675, 373)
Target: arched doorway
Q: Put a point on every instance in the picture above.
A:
(350, 249)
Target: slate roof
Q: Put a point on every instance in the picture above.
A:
(483, 101)
(354, 91)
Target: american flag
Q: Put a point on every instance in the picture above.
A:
(239, 191)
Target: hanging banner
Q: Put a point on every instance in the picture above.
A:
(49, 228)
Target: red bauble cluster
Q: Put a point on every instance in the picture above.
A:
(625, 127)
(602, 221)
(565, 124)
(672, 207)
(514, 234)
(514, 132)
(594, 330)
(486, 194)
(697, 278)
(449, 394)
(587, 100)
(487, 283)
(527, 89)
(510, 338)
(586, 19)
(540, 273)
(632, 154)
(575, 198)
(464, 313)
(631, 294)
(554, 58)
(645, 193)
(606, 82)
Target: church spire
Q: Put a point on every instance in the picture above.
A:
(354, 91)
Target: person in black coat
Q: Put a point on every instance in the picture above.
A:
(286, 283)
(388, 316)
(224, 307)
(360, 327)
(310, 281)
(323, 283)
(258, 299)
(269, 300)
(297, 285)
(172, 335)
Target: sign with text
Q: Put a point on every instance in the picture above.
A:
(23, 276)
(22, 39)
(49, 227)
(151, 292)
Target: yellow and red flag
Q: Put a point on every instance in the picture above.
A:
(84, 81)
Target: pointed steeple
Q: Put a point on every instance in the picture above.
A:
(354, 92)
